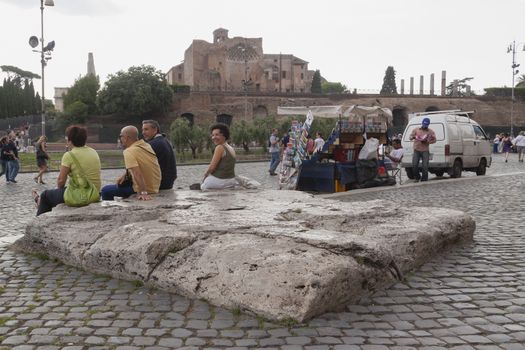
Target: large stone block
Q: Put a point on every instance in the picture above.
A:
(279, 254)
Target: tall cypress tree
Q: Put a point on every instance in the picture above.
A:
(316, 83)
(389, 82)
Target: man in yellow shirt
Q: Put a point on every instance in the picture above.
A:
(142, 169)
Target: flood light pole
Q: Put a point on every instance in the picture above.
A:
(45, 55)
(512, 48)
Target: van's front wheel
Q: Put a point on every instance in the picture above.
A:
(410, 173)
(456, 170)
(482, 168)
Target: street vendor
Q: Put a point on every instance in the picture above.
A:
(422, 137)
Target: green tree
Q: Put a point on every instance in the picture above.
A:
(185, 136)
(324, 126)
(459, 88)
(84, 90)
(240, 133)
(316, 83)
(19, 74)
(261, 128)
(75, 113)
(139, 91)
(389, 82)
(333, 88)
(17, 93)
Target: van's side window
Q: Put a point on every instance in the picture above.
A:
(453, 132)
(466, 131)
(479, 133)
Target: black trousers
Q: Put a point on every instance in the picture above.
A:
(50, 199)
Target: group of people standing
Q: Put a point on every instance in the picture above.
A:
(504, 143)
(277, 145)
(9, 157)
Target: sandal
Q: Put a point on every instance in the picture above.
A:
(36, 196)
(35, 179)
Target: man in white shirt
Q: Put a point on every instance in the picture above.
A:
(319, 142)
(275, 151)
(519, 142)
(395, 156)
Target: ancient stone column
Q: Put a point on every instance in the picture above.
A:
(411, 85)
(443, 82)
(432, 84)
(402, 86)
(421, 81)
(91, 65)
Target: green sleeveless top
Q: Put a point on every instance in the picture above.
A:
(226, 167)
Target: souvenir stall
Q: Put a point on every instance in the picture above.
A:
(349, 157)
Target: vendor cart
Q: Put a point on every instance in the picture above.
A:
(345, 161)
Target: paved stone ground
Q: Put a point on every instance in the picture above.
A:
(470, 298)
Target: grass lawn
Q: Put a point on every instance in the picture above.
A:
(114, 159)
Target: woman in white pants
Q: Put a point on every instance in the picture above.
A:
(221, 171)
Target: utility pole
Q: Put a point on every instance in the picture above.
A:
(512, 48)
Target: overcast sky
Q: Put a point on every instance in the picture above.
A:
(348, 41)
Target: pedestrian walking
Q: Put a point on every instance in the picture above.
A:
(10, 154)
(41, 159)
(495, 144)
(274, 151)
(519, 142)
(422, 137)
(3, 160)
(507, 145)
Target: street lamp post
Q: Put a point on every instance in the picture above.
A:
(512, 48)
(45, 55)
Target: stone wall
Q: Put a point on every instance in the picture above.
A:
(205, 106)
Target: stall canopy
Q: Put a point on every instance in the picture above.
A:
(338, 111)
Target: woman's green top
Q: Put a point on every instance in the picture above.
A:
(226, 167)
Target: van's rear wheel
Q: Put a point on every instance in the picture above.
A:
(457, 168)
(482, 167)
(410, 173)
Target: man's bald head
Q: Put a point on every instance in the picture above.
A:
(128, 135)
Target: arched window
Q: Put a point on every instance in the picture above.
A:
(260, 112)
(224, 118)
(189, 117)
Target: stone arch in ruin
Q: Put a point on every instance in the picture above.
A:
(224, 118)
(400, 116)
(189, 117)
(432, 109)
(260, 112)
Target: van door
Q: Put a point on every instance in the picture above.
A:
(483, 144)
(455, 143)
(470, 145)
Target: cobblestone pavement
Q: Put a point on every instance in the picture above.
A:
(470, 298)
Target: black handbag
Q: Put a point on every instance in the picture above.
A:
(128, 180)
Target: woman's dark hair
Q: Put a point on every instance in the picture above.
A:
(77, 135)
(223, 128)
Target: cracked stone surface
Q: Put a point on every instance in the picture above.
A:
(280, 255)
(465, 295)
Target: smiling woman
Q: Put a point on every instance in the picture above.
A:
(221, 171)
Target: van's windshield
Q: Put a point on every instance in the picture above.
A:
(438, 128)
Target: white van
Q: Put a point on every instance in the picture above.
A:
(461, 144)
